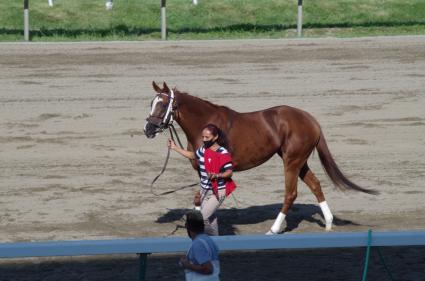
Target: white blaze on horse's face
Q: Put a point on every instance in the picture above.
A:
(154, 120)
(161, 115)
(155, 102)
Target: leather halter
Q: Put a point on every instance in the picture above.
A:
(167, 120)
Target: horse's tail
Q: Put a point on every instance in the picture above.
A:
(332, 170)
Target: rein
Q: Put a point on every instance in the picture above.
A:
(171, 128)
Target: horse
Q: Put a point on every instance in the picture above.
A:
(254, 137)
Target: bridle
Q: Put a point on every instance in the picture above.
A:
(164, 122)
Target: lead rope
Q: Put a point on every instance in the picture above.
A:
(165, 166)
(177, 136)
(162, 170)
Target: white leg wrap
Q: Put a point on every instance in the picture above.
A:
(277, 225)
(327, 214)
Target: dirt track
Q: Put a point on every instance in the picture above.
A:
(75, 164)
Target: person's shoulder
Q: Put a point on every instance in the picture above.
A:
(204, 249)
(197, 242)
(202, 236)
(222, 150)
(200, 150)
(208, 239)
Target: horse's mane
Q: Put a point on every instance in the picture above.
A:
(202, 100)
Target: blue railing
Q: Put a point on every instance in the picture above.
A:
(145, 246)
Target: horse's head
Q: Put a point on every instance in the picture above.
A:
(162, 109)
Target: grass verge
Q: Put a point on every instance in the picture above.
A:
(82, 20)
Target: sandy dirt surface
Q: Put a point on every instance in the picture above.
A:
(74, 163)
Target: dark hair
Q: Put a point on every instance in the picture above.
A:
(216, 131)
(195, 221)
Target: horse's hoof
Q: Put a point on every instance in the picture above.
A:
(328, 226)
(270, 232)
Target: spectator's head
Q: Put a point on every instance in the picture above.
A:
(194, 223)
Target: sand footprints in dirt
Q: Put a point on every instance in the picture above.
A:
(27, 133)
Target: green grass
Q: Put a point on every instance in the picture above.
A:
(76, 20)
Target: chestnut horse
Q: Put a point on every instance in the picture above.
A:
(254, 138)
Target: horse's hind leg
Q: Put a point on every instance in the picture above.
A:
(292, 170)
(314, 184)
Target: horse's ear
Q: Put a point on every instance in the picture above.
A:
(166, 89)
(156, 87)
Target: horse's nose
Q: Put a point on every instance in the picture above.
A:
(149, 130)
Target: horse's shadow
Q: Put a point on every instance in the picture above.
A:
(228, 218)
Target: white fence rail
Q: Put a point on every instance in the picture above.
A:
(109, 5)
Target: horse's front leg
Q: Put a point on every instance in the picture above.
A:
(291, 178)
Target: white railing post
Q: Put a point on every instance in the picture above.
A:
(300, 18)
(26, 21)
(195, 2)
(163, 20)
(51, 3)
